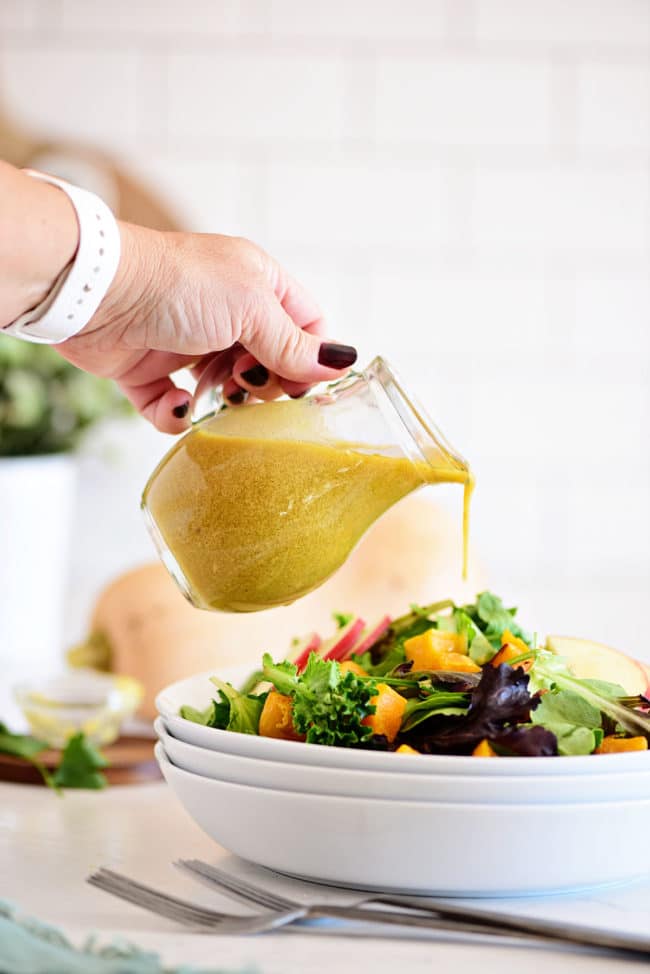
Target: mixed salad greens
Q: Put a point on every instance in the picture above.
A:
(441, 679)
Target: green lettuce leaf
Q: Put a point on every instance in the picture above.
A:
(551, 672)
(205, 717)
(576, 723)
(235, 711)
(440, 703)
(492, 618)
(394, 657)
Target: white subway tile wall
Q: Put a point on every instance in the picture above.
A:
(465, 186)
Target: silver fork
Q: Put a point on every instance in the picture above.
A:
(459, 917)
(205, 920)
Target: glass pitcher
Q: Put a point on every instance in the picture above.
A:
(259, 504)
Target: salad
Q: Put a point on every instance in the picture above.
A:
(441, 679)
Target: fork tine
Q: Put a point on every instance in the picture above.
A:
(181, 911)
(160, 907)
(238, 887)
(109, 878)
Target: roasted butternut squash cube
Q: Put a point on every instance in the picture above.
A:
(508, 639)
(433, 650)
(484, 750)
(508, 652)
(389, 710)
(349, 666)
(619, 745)
(275, 719)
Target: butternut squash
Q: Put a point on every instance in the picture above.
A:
(406, 749)
(508, 652)
(432, 650)
(389, 710)
(275, 719)
(349, 666)
(484, 750)
(619, 745)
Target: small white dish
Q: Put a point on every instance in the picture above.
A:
(450, 849)
(412, 787)
(197, 691)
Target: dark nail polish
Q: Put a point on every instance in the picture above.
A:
(180, 412)
(257, 376)
(336, 356)
(237, 397)
(297, 395)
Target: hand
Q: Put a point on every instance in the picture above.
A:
(218, 305)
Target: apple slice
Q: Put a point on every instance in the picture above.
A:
(595, 661)
(369, 637)
(646, 670)
(338, 646)
(310, 644)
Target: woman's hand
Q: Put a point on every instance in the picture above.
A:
(219, 305)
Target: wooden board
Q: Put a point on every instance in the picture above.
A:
(131, 762)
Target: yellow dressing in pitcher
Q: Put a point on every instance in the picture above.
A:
(255, 521)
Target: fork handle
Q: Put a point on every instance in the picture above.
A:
(532, 926)
(430, 922)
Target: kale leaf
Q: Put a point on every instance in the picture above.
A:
(329, 706)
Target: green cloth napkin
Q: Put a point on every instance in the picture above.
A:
(28, 946)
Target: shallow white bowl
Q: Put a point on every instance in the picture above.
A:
(421, 847)
(412, 787)
(198, 691)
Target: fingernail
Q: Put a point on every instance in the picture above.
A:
(180, 412)
(237, 397)
(297, 395)
(336, 356)
(257, 376)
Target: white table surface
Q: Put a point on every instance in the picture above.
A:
(48, 845)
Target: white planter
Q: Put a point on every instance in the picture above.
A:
(36, 505)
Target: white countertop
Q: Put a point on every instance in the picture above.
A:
(48, 845)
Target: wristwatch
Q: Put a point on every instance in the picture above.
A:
(79, 289)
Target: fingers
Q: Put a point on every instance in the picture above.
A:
(293, 352)
(296, 390)
(234, 394)
(162, 403)
(255, 378)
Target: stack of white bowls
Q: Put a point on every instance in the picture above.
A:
(443, 825)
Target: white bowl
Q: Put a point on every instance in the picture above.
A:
(198, 691)
(421, 847)
(412, 787)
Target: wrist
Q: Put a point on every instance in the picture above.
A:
(133, 290)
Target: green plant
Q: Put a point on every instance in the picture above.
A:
(45, 402)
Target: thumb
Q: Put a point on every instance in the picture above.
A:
(293, 353)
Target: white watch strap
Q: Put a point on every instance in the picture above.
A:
(80, 287)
